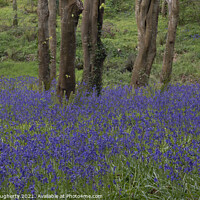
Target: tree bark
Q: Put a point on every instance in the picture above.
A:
(147, 21)
(43, 45)
(15, 20)
(52, 38)
(70, 16)
(93, 49)
(60, 7)
(165, 76)
(164, 8)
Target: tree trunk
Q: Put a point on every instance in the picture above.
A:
(164, 8)
(147, 21)
(60, 7)
(70, 16)
(165, 76)
(15, 20)
(52, 37)
(93, 49)
(43, 45)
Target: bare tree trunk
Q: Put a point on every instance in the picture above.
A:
(164, 8)
(147, 21)
(15, 20)
(70, 17)
(93, 49)
(165, 76)
(60, 7)
(52, 37)
(43, 45)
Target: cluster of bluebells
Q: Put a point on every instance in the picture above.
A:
(195, 36)
(44, 142)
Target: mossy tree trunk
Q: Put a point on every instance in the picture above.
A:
(52, 38)
(70, 16)
(165, 76)
(93, 49)
(15, 20)
(43, 45)
(147, 21)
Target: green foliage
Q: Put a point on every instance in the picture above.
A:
(78, 75)
(18, 44)
(189, 11)
(14, 69)
(3, 3)
(120, 44)
(119, 6)
(114, 77)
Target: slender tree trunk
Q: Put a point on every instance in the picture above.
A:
(60, 7)
(52, 37)
(147, 21)
(93, 49)
(165, 76)
(15, 20)
(43, 45)
(70, 16)
(164, 8)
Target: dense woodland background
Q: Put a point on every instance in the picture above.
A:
(19, 45)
